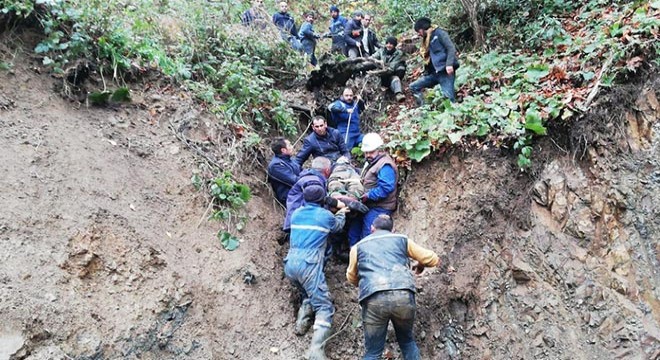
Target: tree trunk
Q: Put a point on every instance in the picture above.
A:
(471, 7)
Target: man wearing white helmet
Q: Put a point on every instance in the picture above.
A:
(379, 177)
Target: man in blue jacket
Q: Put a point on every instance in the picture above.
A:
(337, 26)
(308, 37)
(282, 170)
(255, 16)
(317, 175)
(284, 21)
(323, 141)
(345, 113)
(379, 177)
(440, 62)
(310, 227)
(353, 36)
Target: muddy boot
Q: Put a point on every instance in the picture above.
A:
(317, 348)
(304, 319)
(400, 97)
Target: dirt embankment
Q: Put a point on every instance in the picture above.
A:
(105, 254)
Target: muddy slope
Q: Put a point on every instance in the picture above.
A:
(560, 265)
(105, 255)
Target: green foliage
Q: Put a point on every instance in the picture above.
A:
(510, 95)
(101, 98)
(20, 8)
(228, 241)
(224, 64)
(228, 195)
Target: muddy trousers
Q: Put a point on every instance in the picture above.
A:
(360, 226)
(397, 306)
(310, 279)
(393, 82)
(354, 137)
(441, 78)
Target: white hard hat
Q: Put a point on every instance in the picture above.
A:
(371, 142)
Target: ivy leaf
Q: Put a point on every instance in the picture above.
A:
(455, 137)
(99, 97)
(228, 241)
(421, 150)
(533, 122)
(41, 48)
(536, 72)
(121, 95)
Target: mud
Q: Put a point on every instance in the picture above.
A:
(105, 253)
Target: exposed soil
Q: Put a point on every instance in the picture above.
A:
(105, 252)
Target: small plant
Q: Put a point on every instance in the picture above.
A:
(228, 195)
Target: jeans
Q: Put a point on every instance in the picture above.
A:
(310, 279)
(378, 310)
(309, 47)
(428, 81)
(360, 227)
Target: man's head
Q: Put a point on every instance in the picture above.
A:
(390, 43)
(309, 17)
(422, 25)
(320, 125)
(371, 146)
(322, 165)
(258, 4)
(357, 16)
(281, 146)
(382, 222)
(347, 95)
(284, 7)
(314, 193)
(366, 20)
(334, 11)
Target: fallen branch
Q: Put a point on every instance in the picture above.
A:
(343, 325)
(594, 91)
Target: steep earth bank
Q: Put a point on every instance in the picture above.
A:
(105, 253)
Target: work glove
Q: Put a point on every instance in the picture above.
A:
(356, 206)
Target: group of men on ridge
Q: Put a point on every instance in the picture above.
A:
(354, 38)
(332, 203)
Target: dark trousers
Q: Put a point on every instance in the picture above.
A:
(397, 306)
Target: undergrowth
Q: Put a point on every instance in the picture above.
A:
(509, 94)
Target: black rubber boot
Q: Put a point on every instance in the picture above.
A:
(317, 348)
(304, 319)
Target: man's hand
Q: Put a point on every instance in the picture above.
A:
(349, 110)
(450, 70)
(340, 204)
(343, 210)
(358, 44)
(418, 268)
(364, 198)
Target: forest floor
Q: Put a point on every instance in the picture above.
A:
(105, 251)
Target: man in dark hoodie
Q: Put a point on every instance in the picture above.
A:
(323, 141)
(287, 25)
(337, 26)
(353, 36)
(282, 170)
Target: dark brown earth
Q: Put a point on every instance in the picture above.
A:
(105, 252)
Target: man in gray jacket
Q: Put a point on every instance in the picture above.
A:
(440, 62)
